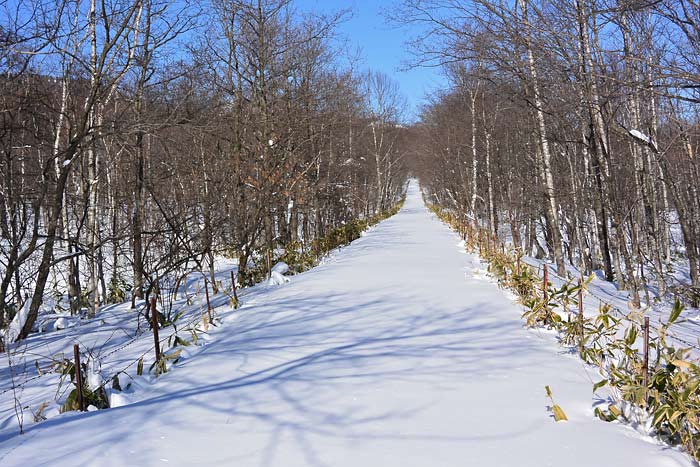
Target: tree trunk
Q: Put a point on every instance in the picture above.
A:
(551, 214)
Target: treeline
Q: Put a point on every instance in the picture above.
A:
(141, 138)
(573, 128)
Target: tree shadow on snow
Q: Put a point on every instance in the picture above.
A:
(291, 359)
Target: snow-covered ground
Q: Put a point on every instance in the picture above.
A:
(398, 351)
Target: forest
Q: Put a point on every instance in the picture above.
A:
(227, 221)
(141, 139)
(572, 128)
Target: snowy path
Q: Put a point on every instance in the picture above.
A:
(393, 353)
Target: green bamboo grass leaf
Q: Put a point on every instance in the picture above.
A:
(631, 336)
(675, 312)
(599, 384)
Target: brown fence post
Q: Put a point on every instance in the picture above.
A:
(517, 262)
(645, 363)
(580, 315)
(206, 294)
(78, 377)
(233, 287)
(545, 297)
(154, 324)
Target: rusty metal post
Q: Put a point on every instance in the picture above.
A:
(78, 378)
(206, 294)
(645, 363)
(580, 315)
(154, 324)
(545, 297)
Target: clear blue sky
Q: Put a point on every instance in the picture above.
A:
(382, 47)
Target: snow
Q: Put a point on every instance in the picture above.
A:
(94, 379)
(118, 399)
(281, 267)
(290, 206)
(643, 138)
(65, 322)
(17, 323)
(277, 279)
(396, 351)
(639, 135)
(277, 276)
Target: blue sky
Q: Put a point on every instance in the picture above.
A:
(382, 46)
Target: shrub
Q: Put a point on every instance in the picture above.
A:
(118, 288)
